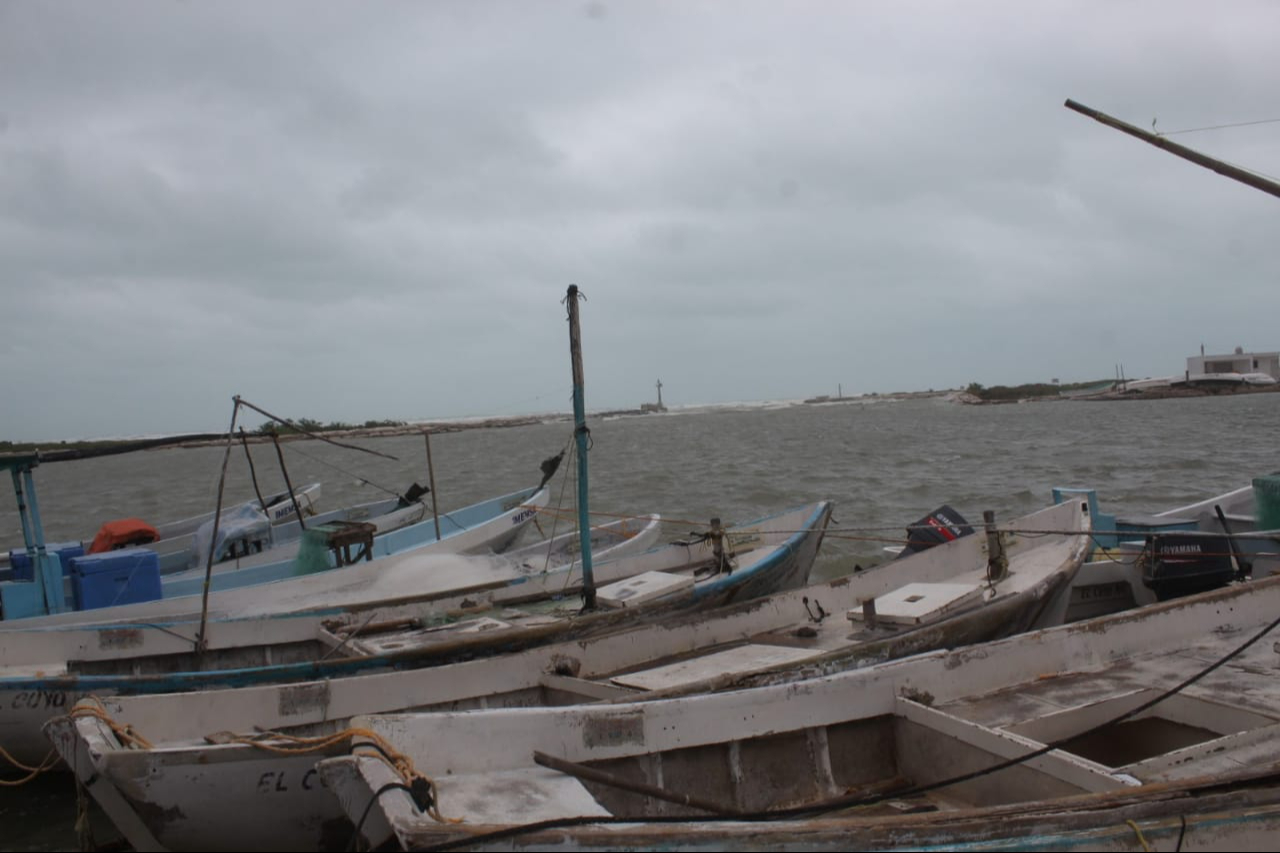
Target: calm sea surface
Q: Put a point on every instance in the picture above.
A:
(884, 465)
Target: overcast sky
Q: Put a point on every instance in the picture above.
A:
(348, 211)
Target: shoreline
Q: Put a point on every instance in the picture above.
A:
(1168, 393)
(64, 449)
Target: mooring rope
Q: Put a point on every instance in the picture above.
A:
(380, 746)
(32, 771)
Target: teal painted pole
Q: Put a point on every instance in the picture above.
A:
(580, 433)
(48, 569)
(29, 536)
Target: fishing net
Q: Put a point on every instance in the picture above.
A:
(313, 552)
(1266, 499)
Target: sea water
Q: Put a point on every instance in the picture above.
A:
(884, 464)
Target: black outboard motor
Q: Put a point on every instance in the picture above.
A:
(942, 525)
(414, 494)
(1186, 563)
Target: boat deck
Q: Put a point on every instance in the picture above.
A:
(1224, 721)
(1039, 720)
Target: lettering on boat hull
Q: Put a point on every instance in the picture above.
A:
(119, 638)
(614, 730)
(303, 699)
(38, 699)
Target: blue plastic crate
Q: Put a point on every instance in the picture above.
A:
(115, 577)
(20, 560)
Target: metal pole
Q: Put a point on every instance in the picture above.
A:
(580, 433)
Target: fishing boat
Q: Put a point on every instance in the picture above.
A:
(1153, 727)
(518, 604)
(239, 549)
(63, 650)
(1140, 559)
(293, 584)
(786, 636)
(173, 541)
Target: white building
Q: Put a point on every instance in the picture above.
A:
(1237, 362)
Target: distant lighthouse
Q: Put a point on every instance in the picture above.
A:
(655, 407)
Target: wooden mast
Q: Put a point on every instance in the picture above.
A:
(580, 433)
(1224, 169)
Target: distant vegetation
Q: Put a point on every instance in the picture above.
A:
(1009, 393)
(33, 446)
(306, 424)
(309, 425)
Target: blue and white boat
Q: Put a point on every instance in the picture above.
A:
(1139, 559)
(128, 585)
(174, 541)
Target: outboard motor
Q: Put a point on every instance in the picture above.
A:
(942, 525)
(414, 494)
(1181, 564)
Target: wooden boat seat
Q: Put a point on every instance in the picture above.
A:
(916, 603)
(519, 796)
(745, 658)
(648, 586)
(388, 642)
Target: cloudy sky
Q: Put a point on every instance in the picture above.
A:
(350, 211)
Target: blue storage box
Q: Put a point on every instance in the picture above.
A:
(126, 576)
(20, 560)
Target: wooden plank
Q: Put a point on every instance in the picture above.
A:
(649, 586)
(744, 658)
(401, 641)
(583, 687)
(915, 603)
(515, 796)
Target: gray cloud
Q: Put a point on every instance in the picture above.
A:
(361, 212)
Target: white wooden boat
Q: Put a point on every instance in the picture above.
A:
(537, 606)
(783, 635)
(132, 659)
(1157, 728)
(1218, 537)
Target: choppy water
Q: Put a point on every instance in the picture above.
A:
(883, 464)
